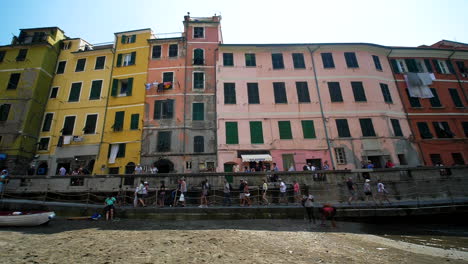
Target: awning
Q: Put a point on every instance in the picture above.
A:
(259, 157)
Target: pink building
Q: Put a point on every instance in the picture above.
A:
(268, 105)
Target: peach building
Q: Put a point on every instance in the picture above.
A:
(295, 104)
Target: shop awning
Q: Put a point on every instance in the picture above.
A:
(258, 157)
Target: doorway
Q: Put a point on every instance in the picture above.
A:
(164, 166)
(288, 161)
(317, 163)
(376, 160)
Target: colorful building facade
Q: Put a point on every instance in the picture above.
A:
(72, 125)
(26, 70)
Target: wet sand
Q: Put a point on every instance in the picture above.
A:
(239, 241)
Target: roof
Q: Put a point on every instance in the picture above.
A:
(43, 28)
(143, 29)
(165, 39)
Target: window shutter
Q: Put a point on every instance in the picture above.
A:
(411, 64)
(252, 92)
(4, 111)
(280, 93)
(115, 86)
(232, 136)
(129, 86)
(47, 122)
(198, 144)
(335, 92)
(133, 58)
(450, 66)
(119, 120)
(157, 110)
(435, 101)
(95, 89)
(455, 97)
(342, 127)
(135, 118)
(133, 39)
(396, 127)
(386, 93)
(198, 111)
(367, 127)
(394, 66)
(358, 92)
(256, 132)
(302, 92)
(414, 101)
(460, 66)
(308, 128)
(170, 108)
(438, 69)
(424, 130)
(427, 62)
(75, 92)
(124, 39)
(121, 152)
(285, 129)
(229, 93)
(119, 60)
(68, 126)
(90, 126)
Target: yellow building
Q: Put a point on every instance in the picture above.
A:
(72, 125)
(121, 146)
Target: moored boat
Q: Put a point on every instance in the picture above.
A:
(25, 218)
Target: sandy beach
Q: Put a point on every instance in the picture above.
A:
(239, 241)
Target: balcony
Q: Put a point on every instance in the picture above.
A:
(28, 39)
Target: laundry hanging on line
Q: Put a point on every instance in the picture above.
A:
(418, 84)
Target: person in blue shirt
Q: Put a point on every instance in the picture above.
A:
(3, 179)
(109, 209)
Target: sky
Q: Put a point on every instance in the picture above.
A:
(392, 22)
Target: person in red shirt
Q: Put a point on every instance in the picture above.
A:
(328, 212)
(389, 164)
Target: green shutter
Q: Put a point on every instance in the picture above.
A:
(95, 90)
(129, 86)
(285, 129)
(302, 92)
(124, 39)
(119, 120)
(133, 39)
(358, 92)
(135, 118)
(121, 152)
(435, 101)
(414, 101)
(157, 109)
(308, 128)
(4, 111)
(232, 136)
(455, 97)
(438, 69)
(169, 108)
(424, 130)
(367, 127)
(343, 128)
(279, 90)
(450, 66)
(115, 87)
(256, 132)
(75, 92)
(90, 126)
(396, 127)
(119, 60)
(394, 66)
(411, 64)
(133, 58)
(427, 62)
(198, 111)
(47, 122)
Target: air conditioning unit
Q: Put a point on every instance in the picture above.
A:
(77, 139)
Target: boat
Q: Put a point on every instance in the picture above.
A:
(25, 218)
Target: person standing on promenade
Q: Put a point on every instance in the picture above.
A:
(227, 193)
(241, 193)
(283, 196)
(4, 177)
(153, 169)
(368, 190)
(109, 209)
(351, 189)
(382, 192)
(62, 171)
(325, 165)
(308, 203)
(370, 165)
(204, 193)
(139, 191)
(297, 192)
(247, 193)
(138, 169)
(389, 164)
(162, 194)
(183, 191)
(264, 192)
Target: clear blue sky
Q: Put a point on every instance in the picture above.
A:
(394, 22)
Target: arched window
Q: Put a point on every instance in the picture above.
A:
(198, 57)
(198, 144)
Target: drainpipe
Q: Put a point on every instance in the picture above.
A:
(458, 78)
(321, 106)
(185, 89)
(215, 123)
(418, 143)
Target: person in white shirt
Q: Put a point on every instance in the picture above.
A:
(138, 169)
(291, 168)
(308, 203)
(264, 193)
(153, 169)
(62, 171)
(283, 192)
(382, 192)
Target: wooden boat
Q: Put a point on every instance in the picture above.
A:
(25, 218)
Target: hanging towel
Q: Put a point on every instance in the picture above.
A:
(113, 154)
(413, 79)
(67, 140)
(425, 78)
(160, 87)
(420, 91)
(148, 86)
(155, 84)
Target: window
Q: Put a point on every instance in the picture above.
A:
(298, 61)
(66, 45)
(398, 65)
(280, 93)
(232, 136)
(122, 87)
(134, 120)
(198, 144)
(458, 159)
(460, 65)
(54, 92)
(442, 66)
(386, 93)
(285, 129)
(68, 125)
(351, 60)
(80, 65)
(43, 143)
(22, 55)
(168, 77)
(340, 156)
(121, 151)
(173, 50)
(435, 101)
(377, 64)
(163, 109)
(47, 122)
(74, 92)
(90, 125)
(119, 121)
(96, 86)
(4, 111)
(428, 65)
(465, 128)
(252, 92)
(256, 132)
(61, 67)
(156, 52)
(198, 32)
(250, 60)
(229, 93)
(2, 55)
(455, 97)
(302, 92)
(435, 159)
(402, 159)
(198, 111)
(442, 130)
(367, 127)
(424, 130)
(327, 60)
(414, 101)
(417, 65)
(277, 60)
(396, 128)
(13, 82)
(228, 59)
(358, 92)
(342, 127)
(198, 57)
(164, 141)
(100, 62)
(308, 128)
(128, 39)
(126, 59)
(335, 92)
(198, 80)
